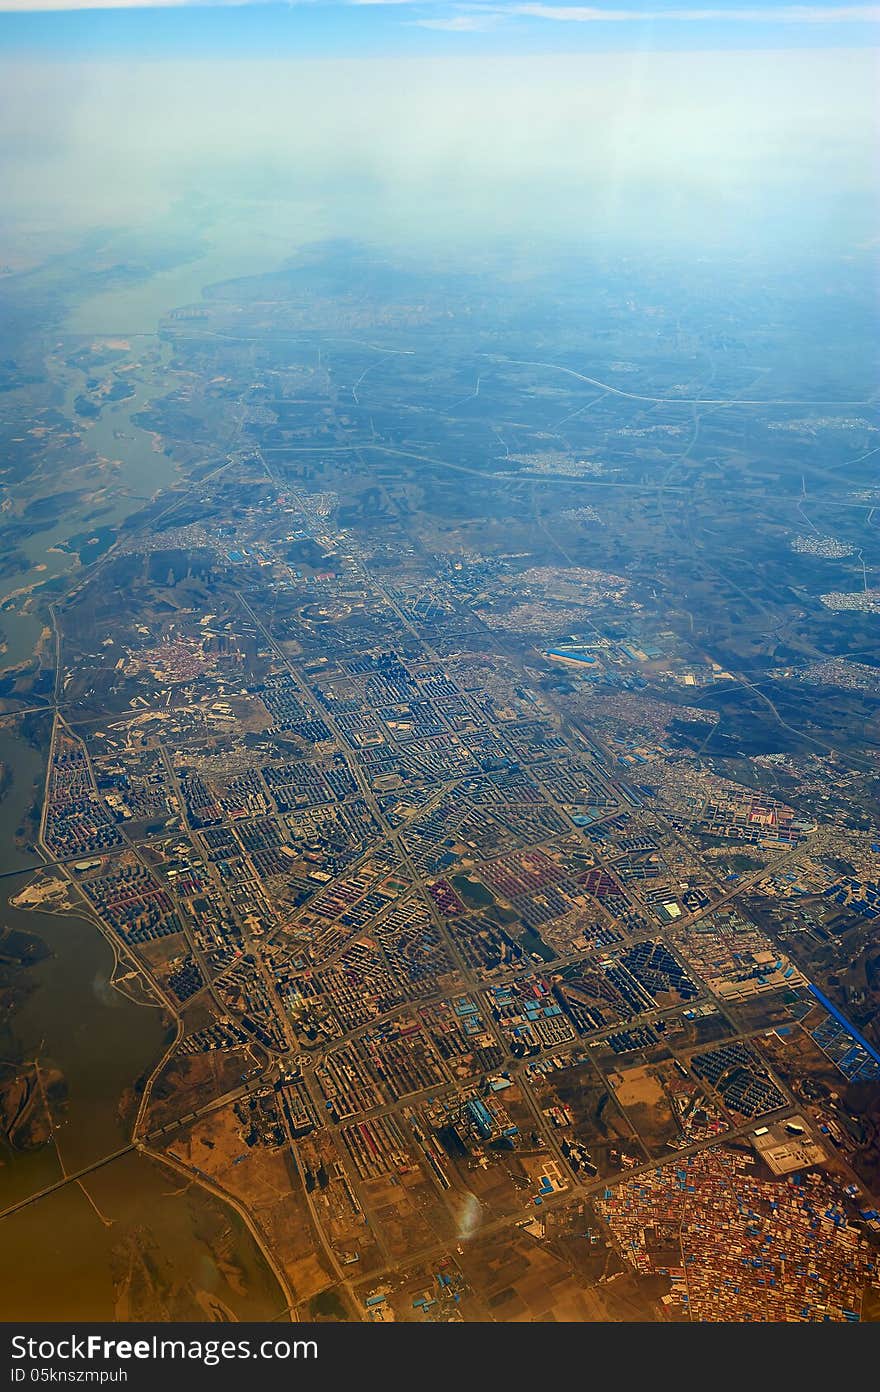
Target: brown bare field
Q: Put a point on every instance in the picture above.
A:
(267, 1184)
(188, 1081)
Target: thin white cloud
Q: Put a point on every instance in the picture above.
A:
(53, 6)
(678, 149)
(474, 17)
(456, 24)
(775, 14)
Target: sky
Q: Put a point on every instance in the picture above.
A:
(461, 121)
(313, 27)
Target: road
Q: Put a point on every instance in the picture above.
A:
(158, 1134)
(577, 740)
(669, 400)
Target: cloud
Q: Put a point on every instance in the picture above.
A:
(770, 14)
(53, 6)
(683, 150)
(455, 24)
(475, 17)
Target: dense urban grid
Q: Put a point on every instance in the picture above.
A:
(510, 969)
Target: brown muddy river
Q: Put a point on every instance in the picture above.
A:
(133, 1239)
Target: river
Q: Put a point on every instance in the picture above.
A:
(132, 314)
(132, 1239)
